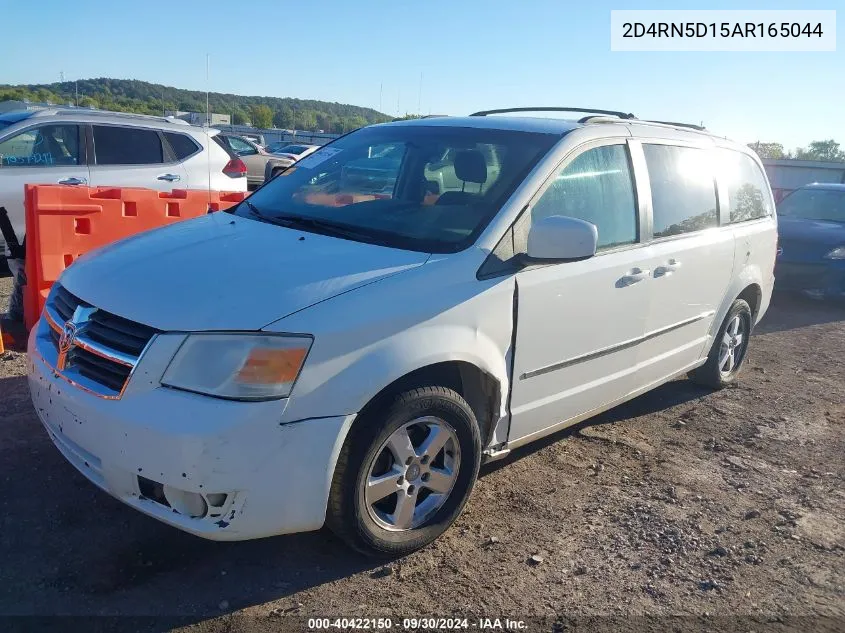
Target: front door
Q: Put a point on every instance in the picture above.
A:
(45, 154)
(578, 323)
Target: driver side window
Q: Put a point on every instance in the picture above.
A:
(595, 186)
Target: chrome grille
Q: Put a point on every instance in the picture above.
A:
(105, 349)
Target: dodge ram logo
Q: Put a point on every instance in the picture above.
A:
(66, 339)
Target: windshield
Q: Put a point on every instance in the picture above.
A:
(815, 204)
(423, 188)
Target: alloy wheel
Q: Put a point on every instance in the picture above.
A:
(412, 474)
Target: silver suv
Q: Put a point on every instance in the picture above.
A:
(78, 146)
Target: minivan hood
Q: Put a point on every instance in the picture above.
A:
(224, 272)
(820, 232)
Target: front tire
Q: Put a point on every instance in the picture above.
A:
(405, 472)
(728, 350)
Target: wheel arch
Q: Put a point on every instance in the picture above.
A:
(748, 285)
(480, 388)
(753, 295)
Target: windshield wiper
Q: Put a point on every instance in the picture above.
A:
(325, 227)
(254, 210)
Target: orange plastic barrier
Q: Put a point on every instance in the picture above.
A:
(63, 223)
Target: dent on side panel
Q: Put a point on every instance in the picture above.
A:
(367, 339)
(501, 429)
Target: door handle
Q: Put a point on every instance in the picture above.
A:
(634, 276)
(667, 269)
(73, 180)
(170, 177)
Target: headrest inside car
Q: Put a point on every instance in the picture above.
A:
(470, 166)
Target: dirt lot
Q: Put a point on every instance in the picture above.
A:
(682, 502)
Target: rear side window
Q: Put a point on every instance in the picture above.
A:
(240, 146)
(597, 187)
(683, 189)
(746, 185)
(181, 144)
(115, 145)
(43, 146)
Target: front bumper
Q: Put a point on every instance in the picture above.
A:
(822, 279)
(269, 476)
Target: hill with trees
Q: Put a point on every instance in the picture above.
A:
(130, 95)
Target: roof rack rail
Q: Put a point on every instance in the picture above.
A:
(621, 115)
(71, 111)
(691, 126)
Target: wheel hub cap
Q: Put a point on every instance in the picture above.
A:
(412, 474)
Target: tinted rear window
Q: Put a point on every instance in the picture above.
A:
(115, 145)
(683, 189)
(748, 192)
(182, 145)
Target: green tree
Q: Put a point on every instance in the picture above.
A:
(239, 117)
(262, 116)
(283, 117)
(768, 150)
(306, 120)
(821, 150)
(88, 102)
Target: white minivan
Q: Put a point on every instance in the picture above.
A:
(408, 301)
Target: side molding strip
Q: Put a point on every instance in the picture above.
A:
(615, 348)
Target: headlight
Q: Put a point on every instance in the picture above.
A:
(238, 366)
(836, 253)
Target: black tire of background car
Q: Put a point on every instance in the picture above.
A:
(15, 311)
(709, 374)
(16, 249)
(346, 513)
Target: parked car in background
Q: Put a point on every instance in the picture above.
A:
(252, 154)
(811, 241)
(286, 155)
(258, 139)
(79, 147)
(365, 347)
(297, 150)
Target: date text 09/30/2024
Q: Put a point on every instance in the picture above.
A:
(411, 624)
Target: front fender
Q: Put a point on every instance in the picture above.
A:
(366, 339)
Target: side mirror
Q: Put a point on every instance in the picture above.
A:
(561, 238)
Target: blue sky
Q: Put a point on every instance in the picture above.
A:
(472, 54)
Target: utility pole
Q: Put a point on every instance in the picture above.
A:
(419, 100)
(76, 89)
(207, 79)
(380, 92)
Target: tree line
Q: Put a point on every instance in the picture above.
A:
(817, 150)
(129, 95)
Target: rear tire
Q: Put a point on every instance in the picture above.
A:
(729, 349)
(426, 417)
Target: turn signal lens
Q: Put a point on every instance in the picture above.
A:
(266, 366)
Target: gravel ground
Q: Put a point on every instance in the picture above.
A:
(682, 502)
